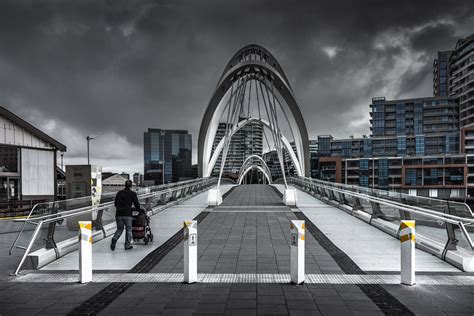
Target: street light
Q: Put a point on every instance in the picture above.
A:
(89, 137)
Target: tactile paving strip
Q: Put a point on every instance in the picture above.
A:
(252, 278)
(387, 303)
(103, 298)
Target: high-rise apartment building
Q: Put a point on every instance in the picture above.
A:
(245, 142)
(461, 79)
(167, 156)
(441, 74)
(414, 127)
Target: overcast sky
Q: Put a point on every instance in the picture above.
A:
(115, 68)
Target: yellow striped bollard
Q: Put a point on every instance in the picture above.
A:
(85, 252)
(407, 252)
(297, 241)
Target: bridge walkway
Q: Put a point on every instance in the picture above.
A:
(370, 248)
(163, 225)
(253, 238)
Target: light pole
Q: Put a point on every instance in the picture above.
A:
(89, 137)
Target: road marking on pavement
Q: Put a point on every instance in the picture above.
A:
(453, 280)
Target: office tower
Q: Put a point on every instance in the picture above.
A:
(167, 156)
(245, 142)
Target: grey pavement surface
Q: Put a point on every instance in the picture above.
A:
(242, 235)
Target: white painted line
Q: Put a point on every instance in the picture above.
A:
(231, 278)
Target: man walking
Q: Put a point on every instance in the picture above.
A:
(123, 203)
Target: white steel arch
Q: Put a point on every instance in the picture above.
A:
(208, 167)
(269, 178)
(246, 162)
(254, 63)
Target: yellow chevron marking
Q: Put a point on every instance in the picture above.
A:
(407, 224)
(86, 226)
(407, 237)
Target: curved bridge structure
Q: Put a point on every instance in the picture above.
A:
(254, 162)
(253, 72)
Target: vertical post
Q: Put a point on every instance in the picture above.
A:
(297, 238)
(407, 252)
(190, 251)
(85, 251)
(88, 161)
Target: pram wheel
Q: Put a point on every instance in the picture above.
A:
(145, 240)
(151, 237)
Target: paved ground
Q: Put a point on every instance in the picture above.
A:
(250, 237)
(369, 247)
(163, 226)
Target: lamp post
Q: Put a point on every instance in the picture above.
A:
(88, 138)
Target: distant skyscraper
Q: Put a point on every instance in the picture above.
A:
(138, 178)
(245, 142)
(167, 156)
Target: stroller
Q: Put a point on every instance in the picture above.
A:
(141, 226)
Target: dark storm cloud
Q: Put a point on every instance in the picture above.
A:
(115, 68)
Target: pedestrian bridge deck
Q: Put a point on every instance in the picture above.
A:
(370, 248)
(163, 225)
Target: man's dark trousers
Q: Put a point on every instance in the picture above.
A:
(123, 221)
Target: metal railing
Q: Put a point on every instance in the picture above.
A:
(448, 224)
(55, 207)
(54, 228)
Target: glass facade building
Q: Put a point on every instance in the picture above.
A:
(167, 156)
(245, 142)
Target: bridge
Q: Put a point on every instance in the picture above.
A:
(352, 235)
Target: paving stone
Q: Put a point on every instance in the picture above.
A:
(177, 312)
(300, 304)
(210, 308)
(240, 312)
(331, 310)
(271, 299)
(241, 304)
(272, 310)
(301, 312)
(243, 295)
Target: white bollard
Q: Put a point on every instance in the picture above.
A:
(297, 252)
(85, 252)
(407, 252)
(190, 251)
(289, 197)
(214, 197)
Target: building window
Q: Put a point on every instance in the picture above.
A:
(9, 159)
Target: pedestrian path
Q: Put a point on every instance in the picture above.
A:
(243, 266)
(163, 225)
(370, 248)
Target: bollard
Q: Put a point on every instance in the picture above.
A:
(190, 251)
(214, 197)
(407, 252)
(85, 252)
(297, 252)
(289, 197)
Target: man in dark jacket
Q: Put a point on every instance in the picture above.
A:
(123, 203)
